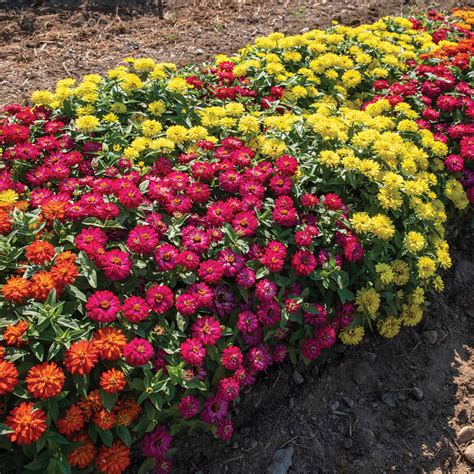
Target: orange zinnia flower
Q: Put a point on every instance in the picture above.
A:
(82, 456)
(72, 421)
(5, 222)
(110, 342)
(126, 412)
(39, 252)
(104, 419)
(27, 422)
(13, 334)
(65, 256)
(45, 380)
(16, 289)
(2, 352)
(112, 381)
(54, 209)
(113, 460)
(64, 274)
(81, 357)
(42, 284)
(91, 404)
(8, 377)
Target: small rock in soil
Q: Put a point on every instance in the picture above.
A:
(297, 378)
(368, 356)
(466, 434)
(254, 444)
(348, 443)
(431, 336)
(292, 403)
(340, 348)
(360, 373)
(281, 461)
(469, 453)
(441, 335)
(417, 393)
(390, 399)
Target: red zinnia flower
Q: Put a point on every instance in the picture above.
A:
(27, 422)
(8, 377)
(45, 380)
(113, 460)
(39, 252)
(81, 357)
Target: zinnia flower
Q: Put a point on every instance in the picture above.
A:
(138, 352)
(13, 334)
(114, 459)
(8, 377)
(81, 357)
(16, 289)
(110, 342)
(39, 252)
(45, 380)
(157, 443)
(82, 456)
(116, 265)
(72, 421)
(27, 422)
(112, 381)
(103, 306)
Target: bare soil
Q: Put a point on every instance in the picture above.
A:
(386, 406)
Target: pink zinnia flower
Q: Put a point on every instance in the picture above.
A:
(142, 239)
(135, 309)
(228, 389)
(192, 351)
(138, 352)
(266, 290)
(157, 443)
(103, 306)
(225, 429)
(232, 358)
(303, 262)
(207, 330)
(165, 257)
(211, 271)
(189, 406)
(159, 298)
(116, 265)
(187, 304)
(215, 409)
(310, 349)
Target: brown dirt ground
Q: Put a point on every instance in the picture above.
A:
(356, 410)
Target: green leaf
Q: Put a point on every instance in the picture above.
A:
(5, 429)
(108, 399)
(38, 350)
(106, 436)
(147, 466)
(124, 435)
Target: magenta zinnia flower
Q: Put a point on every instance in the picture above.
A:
(116, 265)
(103, 306)
(135, 309)
(138, 352)
(207, 330)
(157, 443)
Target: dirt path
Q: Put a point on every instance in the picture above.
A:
(388, 405)
(38, 47)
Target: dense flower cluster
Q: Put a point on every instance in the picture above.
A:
(167, 234)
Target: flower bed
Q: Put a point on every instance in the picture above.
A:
(170, 233)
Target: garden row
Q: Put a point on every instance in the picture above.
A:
(169, 233)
